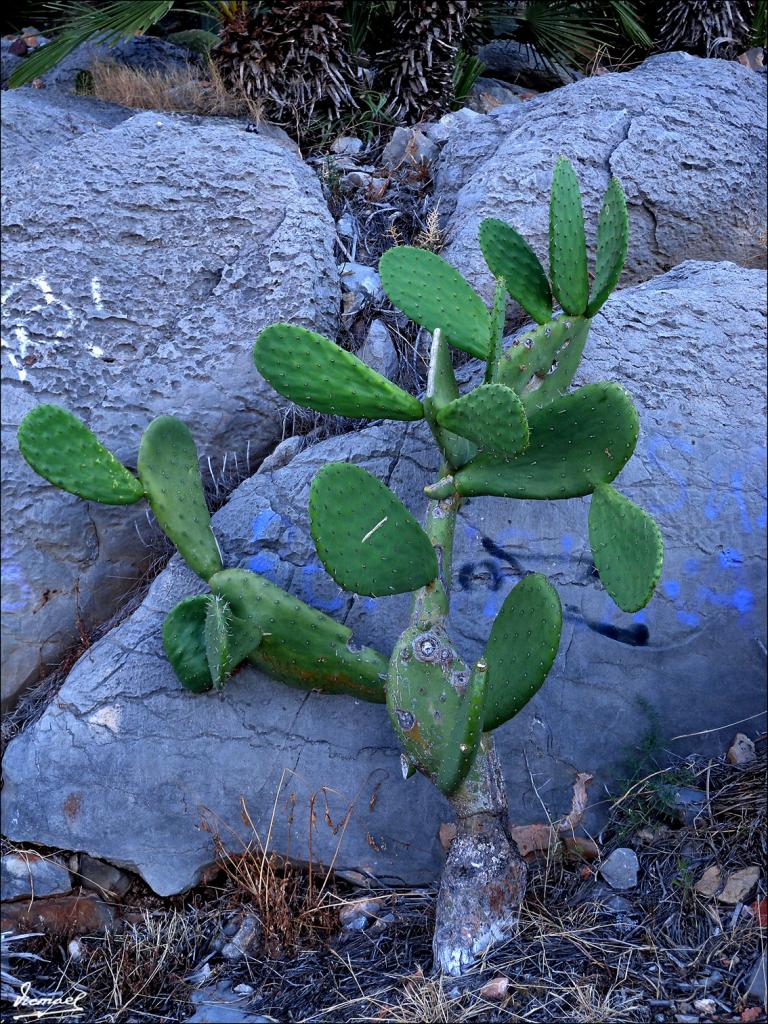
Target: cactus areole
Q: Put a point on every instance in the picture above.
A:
(521, 434)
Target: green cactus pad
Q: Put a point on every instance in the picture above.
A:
(217, 630)
(427, 681)
(627, 547)
(300, 645)
(492, 416)
(434, 294)
(540, 365)
(61, 449)
(612, 240)
(170, 473)
(498, 316)
(314, 372)
(184, 643)
(365, 537)
(521, 648)
(460, 752)
(576, 443)
(567, 241)
(442, 389)
(509, 256)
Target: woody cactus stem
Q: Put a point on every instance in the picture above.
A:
(484, 879)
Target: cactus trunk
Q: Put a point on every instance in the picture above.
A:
(484, 879)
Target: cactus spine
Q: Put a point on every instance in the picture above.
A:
(519, 434)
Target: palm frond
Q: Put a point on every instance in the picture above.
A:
(117, 20)
(566, 33)
(466, 71)
(632, 28)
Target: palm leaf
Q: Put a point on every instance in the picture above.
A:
(118, 20)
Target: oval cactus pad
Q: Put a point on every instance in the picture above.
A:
(576, 443)
(509, 256)
(567, 241)
(365, 537)
(492, 416)
(300, 645)
(314, 372)
(612, 240)
(60, 448)
(170, 472)
(434, 294)
(627, 547)
(521, 648)
(184, 643)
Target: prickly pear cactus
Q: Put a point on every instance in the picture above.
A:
(520, 434)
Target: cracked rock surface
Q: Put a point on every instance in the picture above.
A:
(136, 277)
(124, 764)
(684, 135)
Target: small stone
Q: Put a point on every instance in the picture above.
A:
(347, 145)
(357, 916)
(244, 990)
(224, 1005)
(57, 915)
(408, 146)
(75, 949)
(741, 750)
(620, 869)
(688, 804)
(705, 1006)
(356, 179)
(455, 120)
(345, 226)
(604, 898)
(28, 875)
(496, 988)
(362, 283)
(245, 938)
(378, 350)
(739, 885)
(752, 1013)
(103, 878)
(709, 882)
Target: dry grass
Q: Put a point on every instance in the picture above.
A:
(431, 236)
(190, 90)
(145, 964)
(573, 959)
(295, 907)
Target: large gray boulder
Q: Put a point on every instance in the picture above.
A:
(135, 282)
(684, 135)
(124, 764)
(35, 121)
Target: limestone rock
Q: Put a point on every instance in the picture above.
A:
(620, 868)
(135, 283)
(28, 875)
(378, 349)
(35, 121)
(684, 135)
